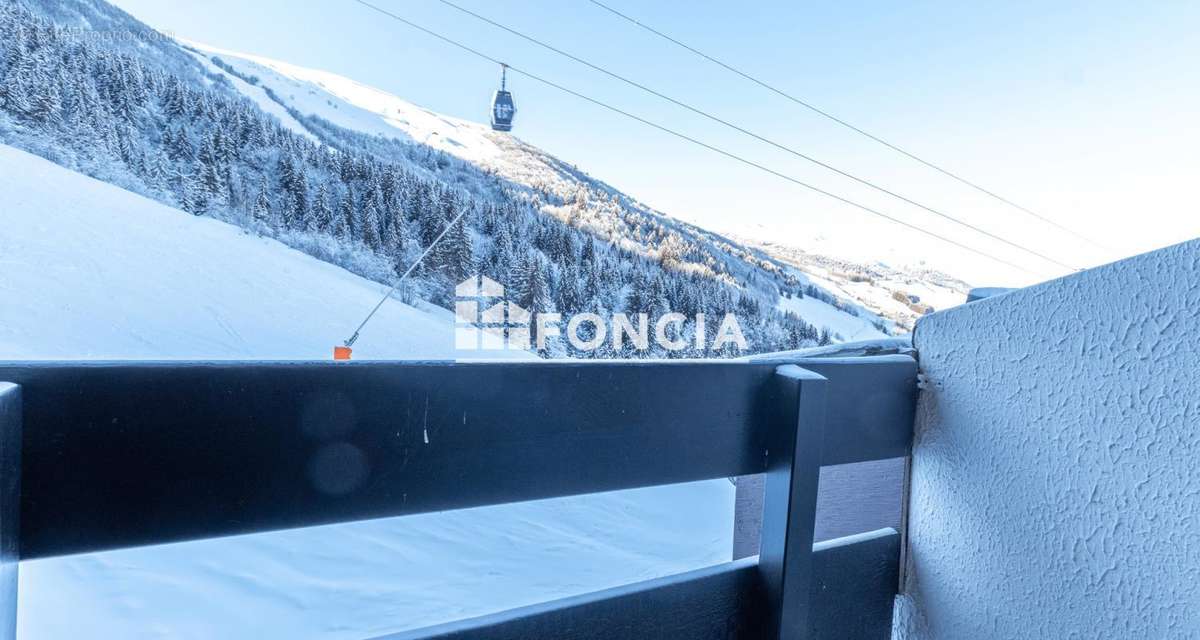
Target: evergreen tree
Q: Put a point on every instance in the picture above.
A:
(456, 253)
(212, 176)
(322, 212)
(18, 85)
(343, 218)
(531, 287)
(262, 206)
(179, 146)
(532, 292)
(189, 193)
(370, 225)
(571, 297)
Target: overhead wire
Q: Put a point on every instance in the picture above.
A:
(756, 136)
(354, 337)
(851, 126)
(683, 136)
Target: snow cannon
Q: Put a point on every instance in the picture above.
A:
(341, 353)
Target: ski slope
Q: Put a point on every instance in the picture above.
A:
(846, 328)
(88, 270)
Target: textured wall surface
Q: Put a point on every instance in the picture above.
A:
(1056, 468)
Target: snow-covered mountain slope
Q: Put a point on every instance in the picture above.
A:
(89, 270)
(899, 294)
(347, 103)
(358, 107)
(366, 181)
(355, 106)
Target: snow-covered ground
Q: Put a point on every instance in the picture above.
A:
(88, 270)
(849, 328)
(899, 294)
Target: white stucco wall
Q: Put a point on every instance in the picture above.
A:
(1056, 467)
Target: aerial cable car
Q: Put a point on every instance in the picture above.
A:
(503, 108)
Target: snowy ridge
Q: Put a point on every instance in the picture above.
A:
(350, 104)
(353, 105)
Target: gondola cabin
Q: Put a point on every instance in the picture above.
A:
(503, 108)
(503, 111)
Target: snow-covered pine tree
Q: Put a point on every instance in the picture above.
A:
(262, 211)
(570, 296)
(179, 145)
(460, 252)
(188, 192)
(212, 176)
(370, 224)
(322, 211)
(531, 288)
(46, 98)
(18, 84)
(343, 218)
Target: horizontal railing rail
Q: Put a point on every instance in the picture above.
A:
(852, 599)
(112, 455)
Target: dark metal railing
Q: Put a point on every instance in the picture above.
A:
(112, 455)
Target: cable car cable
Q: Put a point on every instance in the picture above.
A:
(760, 138)
(771, 171)
(850, 126)
(683, 136)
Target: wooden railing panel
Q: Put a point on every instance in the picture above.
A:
(855, 580)
(871, 405)
(129, 454)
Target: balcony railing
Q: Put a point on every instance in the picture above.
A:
(97, 456)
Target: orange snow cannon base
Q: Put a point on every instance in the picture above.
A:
(341, 353)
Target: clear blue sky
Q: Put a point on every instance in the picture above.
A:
(1083, 111)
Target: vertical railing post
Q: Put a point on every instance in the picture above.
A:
(790, 501)
(747, 515)
(10, 505)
